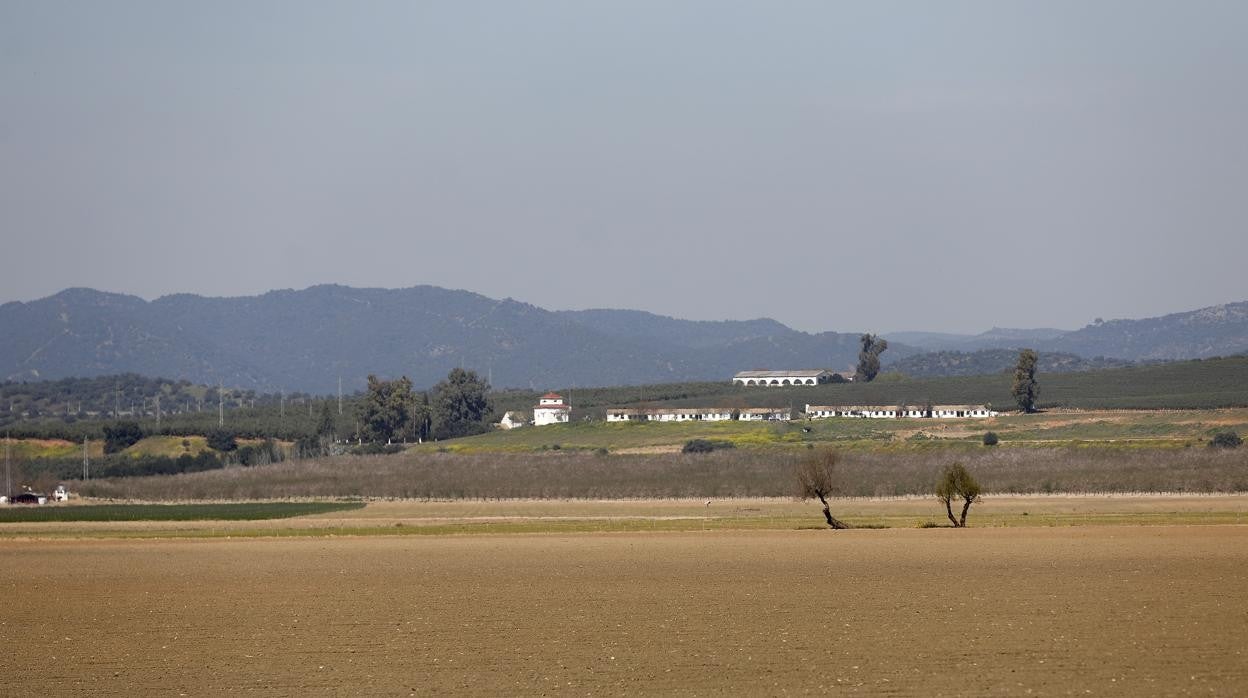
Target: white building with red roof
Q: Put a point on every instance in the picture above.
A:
(550, 409)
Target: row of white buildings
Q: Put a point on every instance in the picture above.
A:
(900, 411)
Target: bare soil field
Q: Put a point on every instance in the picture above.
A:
(1088, 610)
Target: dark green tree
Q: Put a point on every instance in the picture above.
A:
(326, 426)
(461, 405)
(1226, 439)
(955, 482)
(422, 419)
(120, 436)
(1026, 390)
(869, 357)
(222, 440)
(387, 409)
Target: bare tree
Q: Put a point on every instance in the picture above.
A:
(816, 478)
(955, 483)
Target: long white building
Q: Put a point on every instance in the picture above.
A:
(782, 378)
(696, 414)
(900, 411)
(669, 414)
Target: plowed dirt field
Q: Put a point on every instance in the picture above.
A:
(1127, 610)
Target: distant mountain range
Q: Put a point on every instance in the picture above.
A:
(305, 340)
(1220, 330)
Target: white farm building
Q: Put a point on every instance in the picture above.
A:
(781, 378)
(512, 420)
(550, 409)
(766, 414)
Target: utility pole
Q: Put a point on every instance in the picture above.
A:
(157, 413)
(86, 460)
(220, 404)
(8, 466)
(339, 396)
(282, 410)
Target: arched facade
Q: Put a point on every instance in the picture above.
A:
(782, 378)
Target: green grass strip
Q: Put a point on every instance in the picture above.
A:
(249, 511)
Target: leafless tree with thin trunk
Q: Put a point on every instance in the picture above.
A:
(816, 479)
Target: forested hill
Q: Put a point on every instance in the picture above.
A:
(305, 340)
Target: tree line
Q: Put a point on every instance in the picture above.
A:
(459, 405)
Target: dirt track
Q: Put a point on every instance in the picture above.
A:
(1123, 610)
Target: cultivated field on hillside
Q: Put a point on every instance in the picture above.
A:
(22, 449)
(1131, 611)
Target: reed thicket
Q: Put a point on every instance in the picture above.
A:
(732, 473)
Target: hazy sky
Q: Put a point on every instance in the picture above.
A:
(850, 166)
